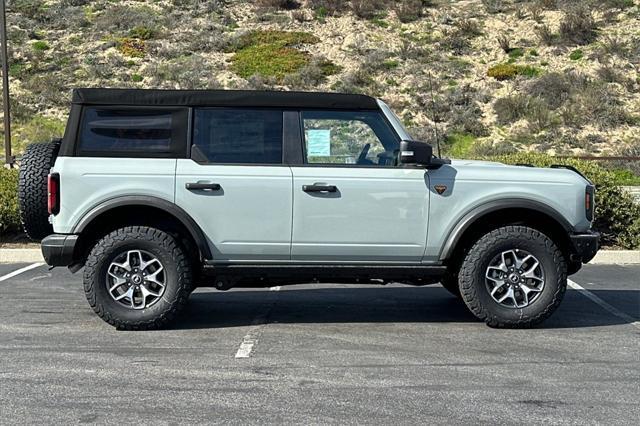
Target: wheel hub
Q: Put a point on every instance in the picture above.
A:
(514, 279)
(136, 279)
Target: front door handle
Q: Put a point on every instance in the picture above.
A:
(200, 186)
(319, 188)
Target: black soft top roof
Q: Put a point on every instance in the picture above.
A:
(226, 98)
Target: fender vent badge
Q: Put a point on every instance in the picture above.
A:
(440, 188)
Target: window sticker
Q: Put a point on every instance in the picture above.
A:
(319, 143)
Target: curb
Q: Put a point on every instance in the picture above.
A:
(616, 257)
(604, 257)
(20, 255)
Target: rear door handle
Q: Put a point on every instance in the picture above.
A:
(200, 186)
(319, 188)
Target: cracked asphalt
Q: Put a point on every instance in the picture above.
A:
(319, 354)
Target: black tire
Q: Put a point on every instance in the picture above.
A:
(449, 282)
(32, 188)
(172, 257)
(477, 296)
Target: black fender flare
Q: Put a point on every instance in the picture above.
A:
(479, 211)
(146, 200)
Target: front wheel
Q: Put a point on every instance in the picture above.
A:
(137, 278)
(513, 277)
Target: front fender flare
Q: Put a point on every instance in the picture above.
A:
(479, 211)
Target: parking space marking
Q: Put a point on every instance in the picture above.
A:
(250, 340)
(20, 271)
(609, 308)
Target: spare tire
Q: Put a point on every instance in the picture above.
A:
(32, 188)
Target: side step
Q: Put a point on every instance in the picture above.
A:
(255, 274)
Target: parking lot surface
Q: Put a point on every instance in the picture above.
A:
(320, 354)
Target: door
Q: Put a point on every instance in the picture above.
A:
(235, 185)
(352, 202)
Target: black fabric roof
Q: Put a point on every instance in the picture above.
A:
(227, 98)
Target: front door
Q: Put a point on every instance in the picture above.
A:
(235, 185)
(351, 201)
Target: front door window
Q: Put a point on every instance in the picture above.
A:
(345, 137)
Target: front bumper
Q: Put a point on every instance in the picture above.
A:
(584, 246)
(58, 249)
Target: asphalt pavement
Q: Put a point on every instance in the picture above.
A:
(317, 354)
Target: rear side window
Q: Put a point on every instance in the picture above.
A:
(148, 132)
(237, 136)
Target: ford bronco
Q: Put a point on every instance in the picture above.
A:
(155, 193)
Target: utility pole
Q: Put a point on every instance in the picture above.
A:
(9, 160)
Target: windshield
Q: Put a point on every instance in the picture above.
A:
(395, 121)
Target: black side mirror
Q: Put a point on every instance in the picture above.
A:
(414, 152)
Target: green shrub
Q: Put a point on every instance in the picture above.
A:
(270, 53)
(143, 33)
(508, 71)
(515, 53)
(459, 145)
(617, 216)
(131, 47)
(9, 212)
(576, 55)
(40, 46)
(136, 78)
(37, 129)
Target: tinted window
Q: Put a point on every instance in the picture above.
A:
(359, 138)
(237, 136)
(147, 132)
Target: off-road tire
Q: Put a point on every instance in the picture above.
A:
(32, 188)
(450, 282)
(472, 277)
(174, 259)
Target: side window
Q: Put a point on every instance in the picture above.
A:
(345, 137)
(144, 132)
(237, 136)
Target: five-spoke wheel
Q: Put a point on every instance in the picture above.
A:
(136, 279)
(515, 278)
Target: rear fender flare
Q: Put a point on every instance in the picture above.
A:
(144, 200)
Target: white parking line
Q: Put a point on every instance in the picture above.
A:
(609, 308)
(250, 340)
(19, 271)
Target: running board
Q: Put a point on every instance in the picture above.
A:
(330, 273)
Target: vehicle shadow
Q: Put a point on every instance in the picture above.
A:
(214, 309)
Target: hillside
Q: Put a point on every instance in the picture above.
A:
(497, 76)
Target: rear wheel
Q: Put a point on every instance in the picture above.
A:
(513, 277)
(137, 278)
(32, 188)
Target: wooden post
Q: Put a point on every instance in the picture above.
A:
(9, 160)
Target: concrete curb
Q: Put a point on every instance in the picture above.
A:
(20, 255)
(604, 257)
(616, 257)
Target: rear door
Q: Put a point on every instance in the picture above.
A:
(235, 185)
(352, 203)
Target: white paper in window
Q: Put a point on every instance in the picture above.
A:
(319, 143)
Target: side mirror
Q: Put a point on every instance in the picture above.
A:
(414, 152)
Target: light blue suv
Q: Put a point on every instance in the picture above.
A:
(156, 192)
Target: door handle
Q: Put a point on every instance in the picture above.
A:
(319, 188)
(200, 186)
